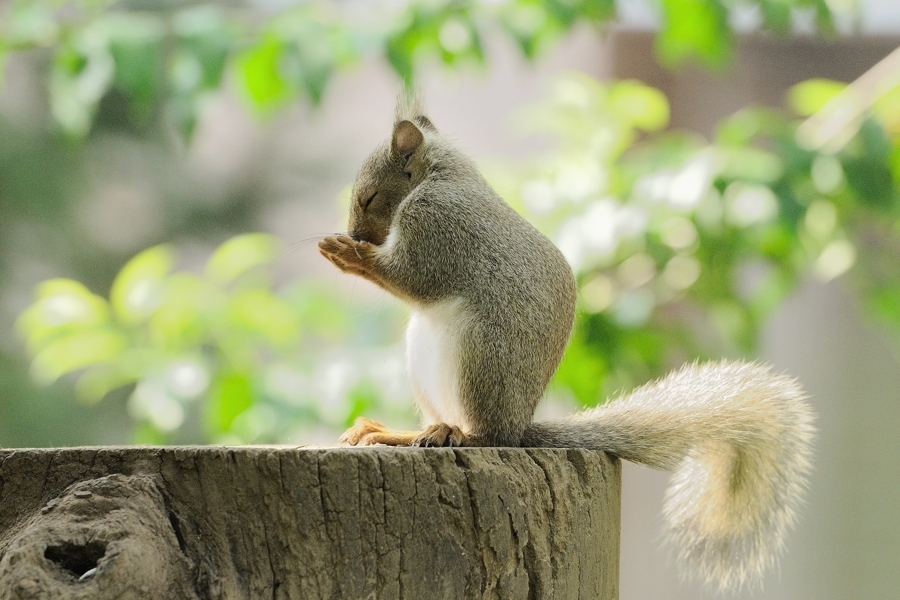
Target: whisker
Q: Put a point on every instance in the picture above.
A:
(317, 236)
(378, 303)
(373, 305)
(299, 244)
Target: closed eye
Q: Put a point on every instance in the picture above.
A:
(369, 201)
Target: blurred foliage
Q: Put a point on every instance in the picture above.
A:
(684, 247)
(164, 59)
(264, 363)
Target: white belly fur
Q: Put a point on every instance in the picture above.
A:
(432, 355)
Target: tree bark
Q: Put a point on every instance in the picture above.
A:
(259, 522)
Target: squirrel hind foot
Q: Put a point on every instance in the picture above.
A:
(440, 435)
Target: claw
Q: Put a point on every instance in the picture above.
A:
(440, 435)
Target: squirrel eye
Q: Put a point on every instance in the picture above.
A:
(369, 201)
(408, 174)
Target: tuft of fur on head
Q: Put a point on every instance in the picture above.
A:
(411, 107)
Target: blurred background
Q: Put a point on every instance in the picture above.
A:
(167, 167)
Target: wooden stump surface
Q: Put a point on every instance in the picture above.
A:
(266, 522)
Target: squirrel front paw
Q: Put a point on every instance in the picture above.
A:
(366, 432)
(360, 433)
(347, 254)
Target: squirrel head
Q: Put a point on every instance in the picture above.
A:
(387, 176)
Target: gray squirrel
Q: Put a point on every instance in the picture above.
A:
(493, 305)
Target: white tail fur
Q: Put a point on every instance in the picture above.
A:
(739, 439)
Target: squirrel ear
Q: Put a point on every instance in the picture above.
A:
(407, 138)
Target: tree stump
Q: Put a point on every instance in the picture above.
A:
(261, 522)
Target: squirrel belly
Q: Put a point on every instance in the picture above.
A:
(432, 358)
(739, 439)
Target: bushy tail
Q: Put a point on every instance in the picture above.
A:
(739, 439)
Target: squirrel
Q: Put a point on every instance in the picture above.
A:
(493, 305)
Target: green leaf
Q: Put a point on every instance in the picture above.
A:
(232, 394)
(399, 50)
(29, 22)
(132, 365)
(258, 312)
(196, 65)
(189, 308)
(866, 162)
(363, 397)
(809, 97)
(884, 302)
(734, 324)
(644, 107)
(136, 45)
(240, 254)
(598, 11)
(458, 41)
(694, 29)
(137, 290)
(206, 37)
(307, 63)
(750, 164)
(77, 351)
(582, 372)
(562, 11)
(97, 382)
(776, 15)
(146, 434)
(260, 76)
(824, 17)
(3, 57)
(887, 108)
(741, 127)
(62, 306)
(82, 72)
(529, 24)
(771, 291)
(320, 312)
(895, 163)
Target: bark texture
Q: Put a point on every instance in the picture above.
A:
(256, 522)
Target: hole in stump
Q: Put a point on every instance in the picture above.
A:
(76, 558)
